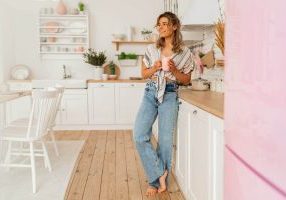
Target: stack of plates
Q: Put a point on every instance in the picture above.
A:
(20, 72)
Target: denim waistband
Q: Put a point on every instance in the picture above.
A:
(170, 86)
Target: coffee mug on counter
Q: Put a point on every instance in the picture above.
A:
(104, 77)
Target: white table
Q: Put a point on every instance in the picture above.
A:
(5, 97)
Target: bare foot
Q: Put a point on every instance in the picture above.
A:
(162, 181)
(151, 191)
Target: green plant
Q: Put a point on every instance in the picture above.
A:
(146, 31)
(81, 6)
(94, 58)
(112, 68)
(124, 56)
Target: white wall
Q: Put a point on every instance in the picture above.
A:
(106, 17)
(6, 41)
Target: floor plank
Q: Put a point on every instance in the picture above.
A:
(132, 172)
(121, 171)
(93, 185)
(107, 191)
(81, 174)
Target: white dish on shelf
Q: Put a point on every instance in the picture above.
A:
(77, 27)
(20, 72)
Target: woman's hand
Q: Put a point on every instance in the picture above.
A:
(157, 65)
(172, 67)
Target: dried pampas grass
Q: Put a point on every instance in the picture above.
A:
(219, 35)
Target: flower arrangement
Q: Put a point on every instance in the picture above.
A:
(219, 35)
(94, 58)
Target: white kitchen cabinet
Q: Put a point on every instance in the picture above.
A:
(73, 108)
(217, 135)
(127, 102)
(20, 107)
(182, 147)
(101, 101)
(199, 12)
(199, 153)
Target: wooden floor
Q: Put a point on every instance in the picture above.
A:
(108, 168)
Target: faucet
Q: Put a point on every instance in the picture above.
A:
(65, 75)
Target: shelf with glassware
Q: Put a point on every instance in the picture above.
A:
(63, 34)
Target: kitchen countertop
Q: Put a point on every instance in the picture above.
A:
(209, 101)
(117, 81)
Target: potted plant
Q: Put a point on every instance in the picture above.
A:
(81, 7)
(146, 34)
(127, 59)
(112, 67)
(96, 59)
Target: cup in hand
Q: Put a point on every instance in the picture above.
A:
(165, 65)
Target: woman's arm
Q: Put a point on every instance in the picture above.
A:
(148, 72)
(181, 77)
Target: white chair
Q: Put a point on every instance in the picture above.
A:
(44, 102)
(25, 121)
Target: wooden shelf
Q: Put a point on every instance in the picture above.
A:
(118, 42)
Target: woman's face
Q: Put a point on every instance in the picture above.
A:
(165, 28)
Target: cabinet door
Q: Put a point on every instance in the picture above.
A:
(182, 168)
(74, 109)
(101, 103)
(200, 158)
(217, 157)
(128, 100)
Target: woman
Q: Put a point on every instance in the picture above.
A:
(161, 98)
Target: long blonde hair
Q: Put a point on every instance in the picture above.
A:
(178, 38)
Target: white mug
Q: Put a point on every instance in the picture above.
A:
(104, 77)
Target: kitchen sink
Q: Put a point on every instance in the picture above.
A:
(67, 83)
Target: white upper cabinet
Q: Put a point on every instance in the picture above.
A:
(199, 12)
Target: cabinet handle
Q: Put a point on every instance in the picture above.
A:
(195, 112)
(101, 85)
(63, 109)
(132, 85)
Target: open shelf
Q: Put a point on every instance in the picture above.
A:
(118, 42)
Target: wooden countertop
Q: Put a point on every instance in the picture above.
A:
(117, 81)
(209, 101)
(4, 97)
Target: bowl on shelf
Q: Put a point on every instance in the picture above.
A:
(118, 36)
(112, 77)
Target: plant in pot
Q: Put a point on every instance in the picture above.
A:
(81, 7)
(96, 59)
(146, 34)
(127, 59)
(112, 67)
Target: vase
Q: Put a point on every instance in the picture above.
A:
(98, 71)
(61, 8)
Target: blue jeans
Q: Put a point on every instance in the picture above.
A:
(155, 162)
